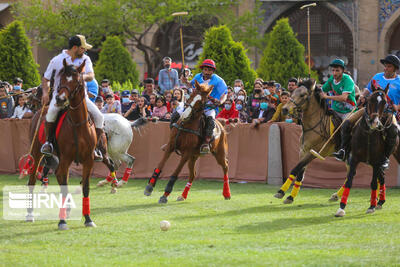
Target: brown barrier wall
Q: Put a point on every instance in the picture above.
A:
(248, 154)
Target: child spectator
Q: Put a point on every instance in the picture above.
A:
(168, 98)
(228, 112)
(279, 116)
(6, 103)
(160, 108)
(99, 102)
(22, 111)
(112, 105)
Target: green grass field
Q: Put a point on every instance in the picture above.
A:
(251, 229)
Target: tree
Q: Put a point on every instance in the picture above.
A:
(55, 21)
(115, 63)
(16, 56)
(283, 57)
(229, 56)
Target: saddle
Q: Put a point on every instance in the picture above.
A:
(60, 120)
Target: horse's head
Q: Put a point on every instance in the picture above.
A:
(197, 101)
(300, 97)
(71, 82)
(376, 103)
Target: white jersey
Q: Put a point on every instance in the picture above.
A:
(57, 64)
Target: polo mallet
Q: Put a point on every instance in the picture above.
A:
(20, 93)
(308, 31)
(318, 154)
(180, 14)
(26, 162)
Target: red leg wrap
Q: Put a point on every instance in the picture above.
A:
(373, 198)
(152, 181)
(345, 195)
(63, 211)
(45, 179)
(166, 194)
(382, 192)
(226, 191)
(127, 174)
(86, 206)
(186, 190)
(157, 171)
(109, 178)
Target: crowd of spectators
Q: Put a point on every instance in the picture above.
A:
(13, 101)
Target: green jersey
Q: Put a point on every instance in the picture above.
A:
(346, 85)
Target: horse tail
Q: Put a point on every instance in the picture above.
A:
(138, 123)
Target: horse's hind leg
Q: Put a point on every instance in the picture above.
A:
(168, 189)
(374, 187)
(156, 174)
(87, 168)
(112, 177)
(382, 188)
(31, 183)
(192, 175)
(349, 182)
(129, 160)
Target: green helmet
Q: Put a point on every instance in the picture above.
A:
(337, 63)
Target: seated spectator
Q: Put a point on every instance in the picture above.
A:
(125, 102)
(228, 112)
(152, 102)
(112, 105)
(160, 109)
(134, 95)
(265, 112)
(21, 111)
(6, 103)
(168, 98)
(274, 97)
(241, 107)
(99, 102)
(138, 110)
(279, 116)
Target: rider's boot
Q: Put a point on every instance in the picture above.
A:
(47, 147)
(341, 154)
(101, 147)
(390, 145)
(210, 124)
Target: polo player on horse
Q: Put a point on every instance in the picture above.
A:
(216, 98)
(75, 56)
(387, 78)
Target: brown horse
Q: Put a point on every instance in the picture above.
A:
(76, 141)
(186, 139)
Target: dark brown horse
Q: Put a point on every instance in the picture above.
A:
(186, 139)
(76, 140)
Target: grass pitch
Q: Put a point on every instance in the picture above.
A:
(251, 229)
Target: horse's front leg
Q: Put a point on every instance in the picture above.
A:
(192, 175)
(62, 178)
(382, 188)
(87, 169)
(295, 174)
(374, 187)
(156, 174)
(172, 180)
(347, 186)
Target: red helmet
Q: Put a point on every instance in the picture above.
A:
(208, 63)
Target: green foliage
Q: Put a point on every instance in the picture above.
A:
(127, 85)
(229, 56)
(16, 56)
(116, 64)
(283, 57)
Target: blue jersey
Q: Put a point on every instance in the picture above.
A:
(219, 89)
(394, 86)
(93, 88)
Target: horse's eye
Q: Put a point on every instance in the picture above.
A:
(302, 94)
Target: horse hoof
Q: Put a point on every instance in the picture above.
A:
(163, 200)
(62, 226)
(370, 210)
(378, 207)
(227, 198)
(148, 190)
(102, 183)
(288, 200)
(121, 183)
(29, 218)
(340, 213)
(113, 190)
(280, 194)
(180, 198)
(334, 197)
(90, 224)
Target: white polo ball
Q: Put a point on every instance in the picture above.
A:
(165, 225)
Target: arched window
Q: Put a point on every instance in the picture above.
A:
(394, 45)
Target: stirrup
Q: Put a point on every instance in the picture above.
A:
(205, 149)
(340, 155)
(97, 155)
(47, 148)
(385, 164)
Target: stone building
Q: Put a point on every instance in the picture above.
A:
(359, 31)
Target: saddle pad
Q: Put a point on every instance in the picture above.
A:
(42, 133)
(217, 131)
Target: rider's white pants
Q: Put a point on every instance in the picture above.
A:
(97, 116)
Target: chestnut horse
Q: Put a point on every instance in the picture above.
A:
(76, 141)
(186, 139)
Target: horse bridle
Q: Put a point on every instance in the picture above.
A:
(367, 117)
(72, 93)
